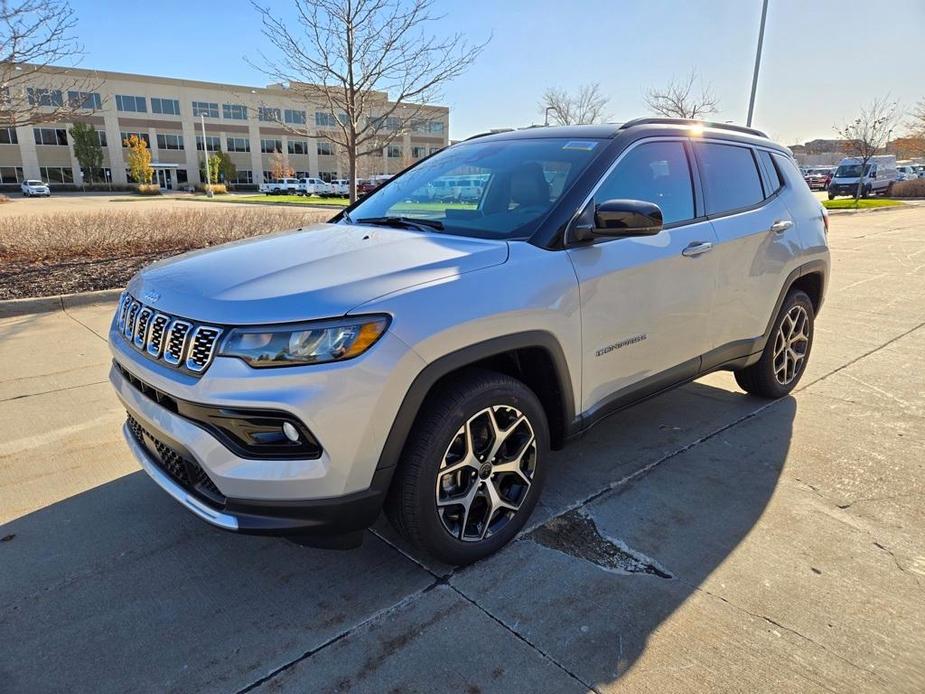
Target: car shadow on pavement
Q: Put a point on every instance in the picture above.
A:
(118, 588)
(590, 586)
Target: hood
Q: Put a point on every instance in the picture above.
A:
(321, 271)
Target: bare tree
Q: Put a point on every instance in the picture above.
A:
(869, 133)
(684, 98)
(916, 126)
(371, 63)
(584, 107)
(37, 41)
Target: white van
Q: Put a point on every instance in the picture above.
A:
(878, 176)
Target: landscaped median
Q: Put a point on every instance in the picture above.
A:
(68, 252)
(860, 204)
(301, 200)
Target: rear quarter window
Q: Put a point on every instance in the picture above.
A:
(730, 177)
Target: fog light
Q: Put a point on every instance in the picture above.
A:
(291, 432)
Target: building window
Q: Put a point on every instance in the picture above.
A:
(234, 111)
(99, 175)
(325, 148)
(208, 109)
(266, 113)
(11, 174)
(50, 136)
(141, 136)
(44, 97)
(271, 146)
(418, 152)
(294, 117)
(434, 150)
(243, 176)
(239, 144)
(213, 143)
(435, 127)
(8, 136)
(182, 177)
(303, 174)
(170, 107)
(394, 152)
(101, 136)
(298, 147)
(327, 176)
(131, 104)
(165, 141)
(57, 174)
(325, 120)
(89, 100)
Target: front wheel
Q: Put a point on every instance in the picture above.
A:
(784, 358)
(472, 469)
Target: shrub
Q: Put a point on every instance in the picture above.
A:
(3, 199)
(909, 189)
(148, 189)
(217, 188)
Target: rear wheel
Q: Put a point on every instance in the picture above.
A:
(785, 355)
(472, 469)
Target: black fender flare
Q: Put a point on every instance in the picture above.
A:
(471, 354)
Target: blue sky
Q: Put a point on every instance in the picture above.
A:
(822, 58)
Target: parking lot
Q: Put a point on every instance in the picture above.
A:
(705, 540)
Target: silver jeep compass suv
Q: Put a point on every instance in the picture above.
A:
(424, 354)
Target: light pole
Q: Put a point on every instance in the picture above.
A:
(548, 109)
(205, 155)
(751, 101)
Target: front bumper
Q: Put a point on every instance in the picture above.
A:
(339, 519)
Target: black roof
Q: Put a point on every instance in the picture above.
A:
(611, 130)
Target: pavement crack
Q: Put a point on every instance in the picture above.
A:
(516, 634)
(80, 322)
(54, 390)
(783, 627)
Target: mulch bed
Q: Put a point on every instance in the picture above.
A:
(20, 280)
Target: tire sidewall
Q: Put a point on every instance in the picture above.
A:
(435, 536)
(795, 298)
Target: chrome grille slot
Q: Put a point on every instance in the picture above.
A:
(156, 336)
(185, 345)
(201, 348)
(176, 342)
(124, 303)
(141, 326)
(129, 330)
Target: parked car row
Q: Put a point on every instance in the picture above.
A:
(878, 176)
(316, 186)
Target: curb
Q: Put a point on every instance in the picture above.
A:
(888, 208)
(10, 308)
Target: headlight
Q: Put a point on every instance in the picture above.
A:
(304, 343)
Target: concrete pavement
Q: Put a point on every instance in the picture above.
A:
(705, 540)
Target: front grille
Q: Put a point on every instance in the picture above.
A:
(182, 344)
(185, 472)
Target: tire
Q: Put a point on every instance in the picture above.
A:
(771, 377)
(484, 404)
(831, 196)
(865, 192)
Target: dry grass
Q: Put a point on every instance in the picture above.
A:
(909, 189)
(108, 234)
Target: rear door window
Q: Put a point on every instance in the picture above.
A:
(730, 177)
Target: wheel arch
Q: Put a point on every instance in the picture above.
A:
(534, 357)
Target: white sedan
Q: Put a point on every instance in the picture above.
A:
(33, 187)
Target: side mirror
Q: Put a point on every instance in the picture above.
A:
(620, 218)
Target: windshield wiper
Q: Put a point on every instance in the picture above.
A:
(403, 222)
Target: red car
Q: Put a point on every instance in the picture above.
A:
(818, 179)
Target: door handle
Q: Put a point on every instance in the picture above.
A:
(781, 225)
(697, 248)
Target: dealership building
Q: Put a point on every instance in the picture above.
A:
(253, 125)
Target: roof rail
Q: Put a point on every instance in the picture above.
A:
(490, 132)
(690, 121)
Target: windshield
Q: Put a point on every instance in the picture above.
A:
(34, 183)
(849, 171)
(498, 189)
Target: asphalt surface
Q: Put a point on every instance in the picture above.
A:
(703, 541)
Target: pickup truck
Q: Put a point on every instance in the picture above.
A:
(314, 186)
(280, 186)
